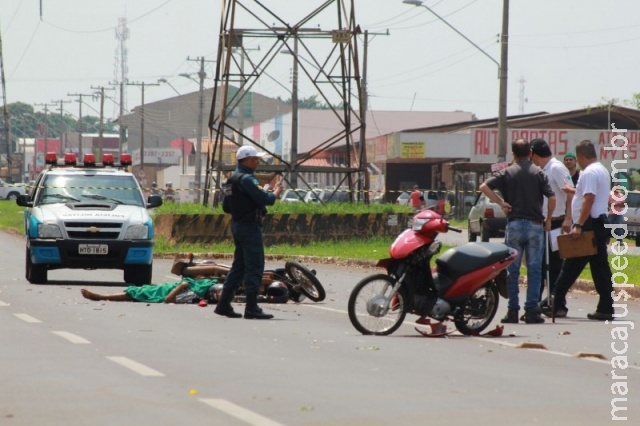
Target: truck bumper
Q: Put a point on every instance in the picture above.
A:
(65, 254)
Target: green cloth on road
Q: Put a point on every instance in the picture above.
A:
(152, 293)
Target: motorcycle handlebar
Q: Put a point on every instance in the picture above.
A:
(454, 229)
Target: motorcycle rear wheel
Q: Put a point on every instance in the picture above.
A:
(365, 301)
(305, 281)
(479, 310)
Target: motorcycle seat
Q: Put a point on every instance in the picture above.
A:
(461, 260)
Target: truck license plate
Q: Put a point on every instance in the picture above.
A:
(93, 249)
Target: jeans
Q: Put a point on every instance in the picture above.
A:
(527, 237)
(248, 257)
(600, 270)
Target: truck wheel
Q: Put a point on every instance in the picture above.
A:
(12, 196)
(35, 274)
(138, 274)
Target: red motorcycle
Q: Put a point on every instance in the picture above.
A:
(464, 285)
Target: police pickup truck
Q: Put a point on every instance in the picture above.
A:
(88, 216)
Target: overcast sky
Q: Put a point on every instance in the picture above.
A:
(570, 53)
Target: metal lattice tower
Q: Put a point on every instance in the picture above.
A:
(332, 69)
(121, 69)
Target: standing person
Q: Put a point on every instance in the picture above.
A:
(571, 163)
(416, 198)
(558, 176)
(523, 186)
(248, 207)
(589, 211)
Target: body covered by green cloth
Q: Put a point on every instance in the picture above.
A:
(152, 293)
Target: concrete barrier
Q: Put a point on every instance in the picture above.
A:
(282, 228)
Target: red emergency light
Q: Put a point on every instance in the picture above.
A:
(70, 159)
(51, 158)
(125, 160)
(89, 160)
(107, 159)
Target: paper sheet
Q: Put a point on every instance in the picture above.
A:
(553, 236)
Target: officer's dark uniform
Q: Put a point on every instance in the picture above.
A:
(247, 210)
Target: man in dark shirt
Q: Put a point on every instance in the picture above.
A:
(523, 185)
(571, 163)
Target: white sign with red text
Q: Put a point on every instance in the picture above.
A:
(484, 143)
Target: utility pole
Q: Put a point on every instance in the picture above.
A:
(62, 128)
(201, 75)
(5, 113)
(46, 125)
(79, 95)
(142, 86)
(504, 59)
(101, 127)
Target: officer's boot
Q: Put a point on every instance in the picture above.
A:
(224, 304)
(252, 310)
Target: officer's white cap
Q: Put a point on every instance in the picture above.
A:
(248, 151)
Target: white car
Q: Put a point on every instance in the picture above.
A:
(486, 219)
(430, 198)
(293, 195)
(633, 215)
(10, 191)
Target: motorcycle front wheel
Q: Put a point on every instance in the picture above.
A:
(305, 281)
(366, 304)
(479, 310)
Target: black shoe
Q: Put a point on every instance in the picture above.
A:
(227, 312)
(560, 312)
(256, 314)
(599, 316)
(532, 316)
(511, 317)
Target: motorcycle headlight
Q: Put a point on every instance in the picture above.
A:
(418, 224)
(46, 230)
(137, 232)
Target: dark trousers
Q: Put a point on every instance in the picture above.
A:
(555, 263)
(248, 257)
(600, 270)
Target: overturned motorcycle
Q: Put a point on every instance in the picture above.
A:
(294, 281)
(464, 286)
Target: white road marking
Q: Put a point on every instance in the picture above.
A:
(3, 303)
(134, 366)
(71, 337)
(27, 318)
(239, 413)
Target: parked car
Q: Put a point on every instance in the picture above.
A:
(293, 195)
(326, 196)
(486, 219)
(633, 215)
(10, 191)
(430, 198)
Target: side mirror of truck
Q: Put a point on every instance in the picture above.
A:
(24, 200)
(154, 201)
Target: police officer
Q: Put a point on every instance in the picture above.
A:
(248, 207)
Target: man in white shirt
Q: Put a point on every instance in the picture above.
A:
(589, 212)
(559, 177)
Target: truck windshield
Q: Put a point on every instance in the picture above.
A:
(89, 188)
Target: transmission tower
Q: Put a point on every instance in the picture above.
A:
(121, 68)
(522, 99)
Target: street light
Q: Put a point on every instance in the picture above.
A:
(502, 70)
(202, 75)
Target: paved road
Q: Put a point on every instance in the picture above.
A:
(66, 360)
